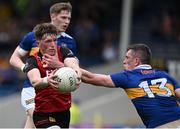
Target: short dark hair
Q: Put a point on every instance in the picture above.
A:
(58, 7)
(44, 28)
(142, 51)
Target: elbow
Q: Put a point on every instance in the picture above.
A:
(13, 61)
(34, 84)
(10, 61)
(39, 83)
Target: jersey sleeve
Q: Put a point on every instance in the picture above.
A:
(119, 79)
(30, 64)
(27, 41)
(66, 52)
(73, 46)
(175, 83)
(172, 80)
(68, 41)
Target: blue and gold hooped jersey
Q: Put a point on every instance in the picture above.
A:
(28, 43)
(152, 93)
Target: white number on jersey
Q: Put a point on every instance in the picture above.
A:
(161, 82)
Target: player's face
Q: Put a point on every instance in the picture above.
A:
(48, 44)
(62, 20)
(130, 61)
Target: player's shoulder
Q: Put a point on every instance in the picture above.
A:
(29, 35)
(65, 35)
(161, 71)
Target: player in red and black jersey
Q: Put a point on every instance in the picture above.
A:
(51, 106)
(60, 15)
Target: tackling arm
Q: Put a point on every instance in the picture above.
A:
(97, 79)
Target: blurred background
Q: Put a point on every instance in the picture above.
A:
(103, 30)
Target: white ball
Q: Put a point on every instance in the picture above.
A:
(66, 78)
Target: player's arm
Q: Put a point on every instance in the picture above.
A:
(70, 60)
(176, 87)
(97, 79)
(177, 92)
(16, 59)
(34, 75)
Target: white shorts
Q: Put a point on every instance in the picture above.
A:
(27, 98)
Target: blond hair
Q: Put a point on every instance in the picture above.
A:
(58, 7)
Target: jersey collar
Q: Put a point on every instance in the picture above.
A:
(144, 66)
(40, 54)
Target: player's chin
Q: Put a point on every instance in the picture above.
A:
(52, 52)
(63, 29)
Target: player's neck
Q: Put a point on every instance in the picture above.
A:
(60, 32)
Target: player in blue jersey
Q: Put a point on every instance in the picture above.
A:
(153, 92)
(60, 14)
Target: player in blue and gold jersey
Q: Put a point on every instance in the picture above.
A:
(153, 92)
(60, 14)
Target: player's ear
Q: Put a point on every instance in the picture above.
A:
(137, 61)
(37, 41)
(53, 17)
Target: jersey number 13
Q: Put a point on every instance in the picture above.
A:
(161, 82)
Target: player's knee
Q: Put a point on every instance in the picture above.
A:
(30, 112)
